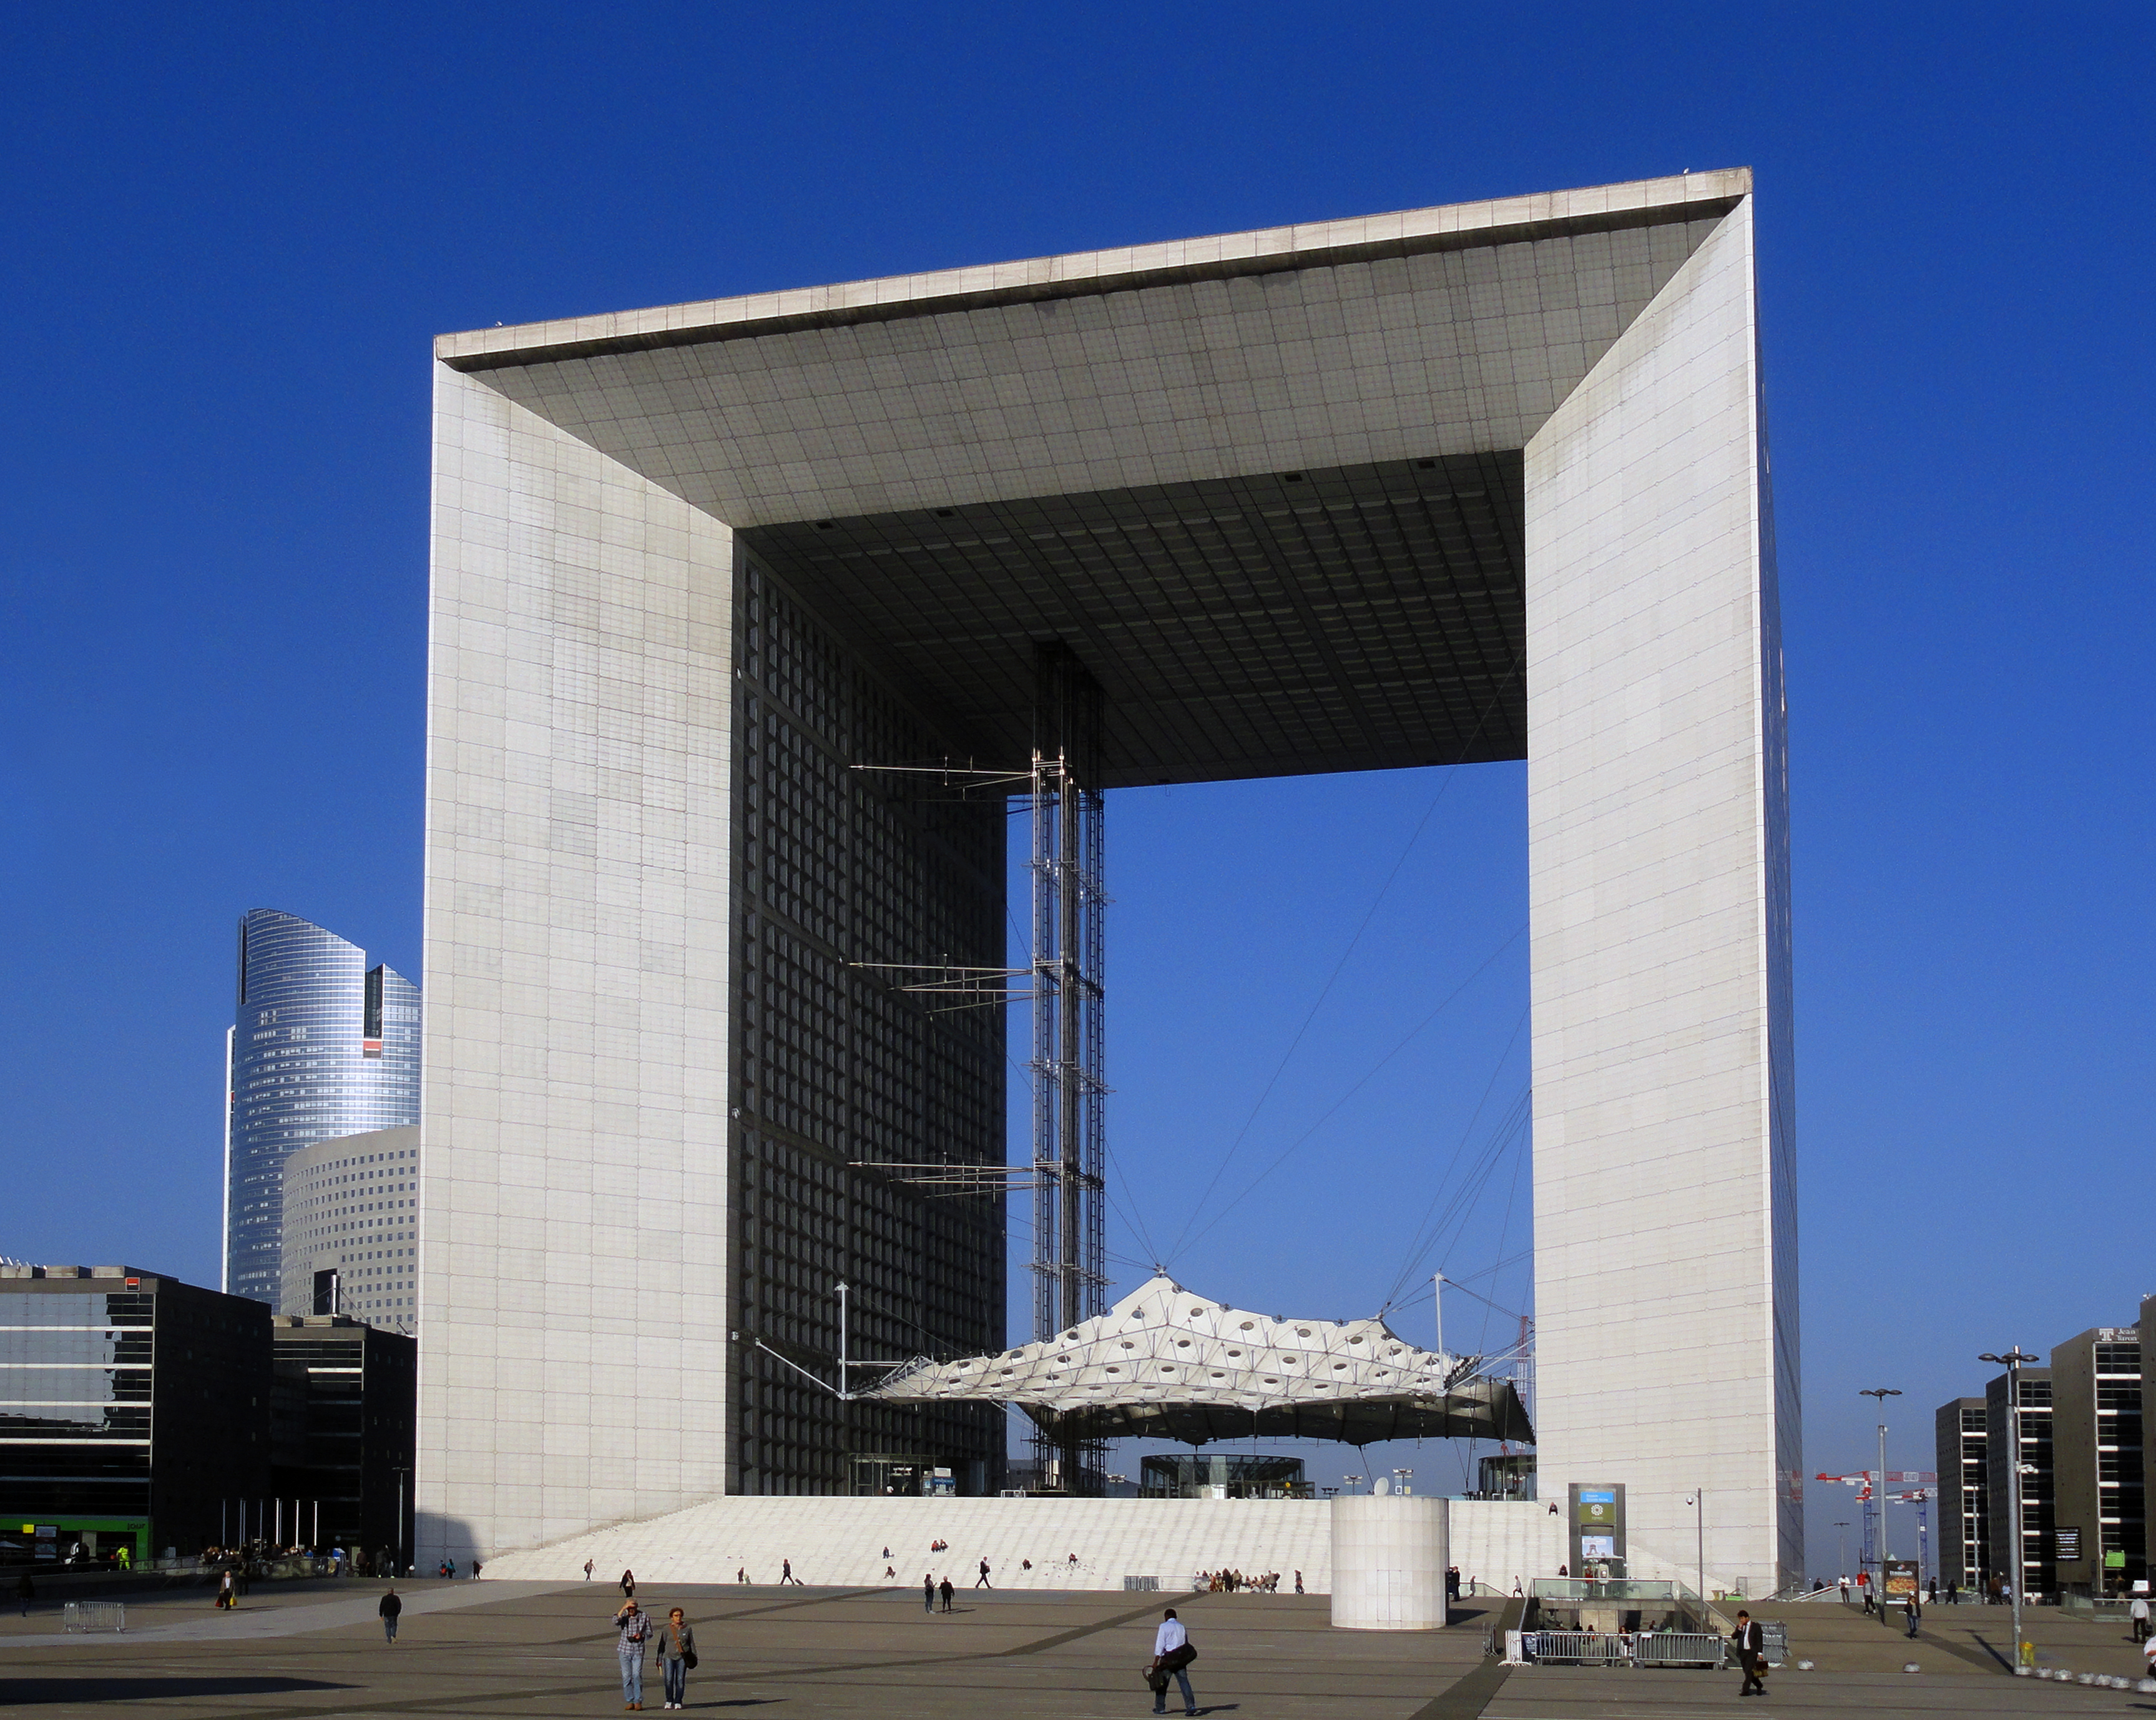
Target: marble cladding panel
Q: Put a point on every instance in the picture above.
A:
(1650, 625)
(1336, 364)
(573, 1233)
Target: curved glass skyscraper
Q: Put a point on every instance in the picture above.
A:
(322, 1046)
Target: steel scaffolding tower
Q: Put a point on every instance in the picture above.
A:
(1066, 1174)
(1069, 1062)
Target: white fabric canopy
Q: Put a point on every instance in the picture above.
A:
(1164, 1360)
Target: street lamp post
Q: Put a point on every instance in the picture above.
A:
(2013, 1362)
(1698, 1503)
(1879, 1498)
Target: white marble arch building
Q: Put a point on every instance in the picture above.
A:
(1475, 482)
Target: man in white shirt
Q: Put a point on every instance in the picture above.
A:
(2138, 1612)
(1172, 1653)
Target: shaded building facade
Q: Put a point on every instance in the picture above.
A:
(2099, 1526)
(341, 1424)
(322, 1045)
(2021, 1553)
(1961, 1443)
(134, 1409)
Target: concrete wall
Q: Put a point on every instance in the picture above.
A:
(573, 1261)
(840, 1542)
(1664, 1223)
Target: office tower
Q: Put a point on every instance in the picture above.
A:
(136, 1410)
(1960, 1430)
(350, 1206)
(2030, 1564)
(322, 1045)
(2098, 1532)
(341, 1430)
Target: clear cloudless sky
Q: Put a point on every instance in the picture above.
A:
(231, 231)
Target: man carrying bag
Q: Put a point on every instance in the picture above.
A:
(1750, 1643)
(1172, 1655)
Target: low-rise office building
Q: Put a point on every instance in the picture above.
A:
(342, 1412)
(134, 1409)
(2030, 1561)
(350, 1244)
(1961, 1439)
(2099, 1528)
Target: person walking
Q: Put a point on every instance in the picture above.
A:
(677, 1655)
(1172, 1655)
(982, 1581)
(928, 1591)
(1750, 1642)
(628, 1585)
(946, 1591)
(390, 1607)
(786, 1574)
(1916, 1614)
(2137, 1610)
(1298, 1582)
(224, 1592)
(588, 1564)
(635, 1628)
(1953, 1594)
(26, 1591)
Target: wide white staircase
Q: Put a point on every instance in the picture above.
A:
(1029, 1543)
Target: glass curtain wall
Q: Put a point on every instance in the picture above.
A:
(322, 1046)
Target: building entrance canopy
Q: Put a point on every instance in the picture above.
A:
(1163, 1364)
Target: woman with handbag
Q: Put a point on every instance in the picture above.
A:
(1172, 1655)
(677, 1657)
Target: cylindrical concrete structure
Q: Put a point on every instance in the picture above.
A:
(1389, 1560)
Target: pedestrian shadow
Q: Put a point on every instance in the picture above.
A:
(26, 1692)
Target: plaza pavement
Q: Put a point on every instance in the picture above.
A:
(312, 1651)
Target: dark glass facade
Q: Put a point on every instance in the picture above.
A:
(836, 1066)
(131, 1406)
(343, 1426)
(322, 1046)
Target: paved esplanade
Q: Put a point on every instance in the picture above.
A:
(1475, 483)
(523, 1649)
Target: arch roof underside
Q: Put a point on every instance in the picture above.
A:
(1276, 508)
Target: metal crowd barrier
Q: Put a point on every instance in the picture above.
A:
(95, 1616)
(1578, 1648)
(1676, 1648)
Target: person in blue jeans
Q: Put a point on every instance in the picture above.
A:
(635, 1629)
(1172, 1653)
(927, 1593)
(677, 1648)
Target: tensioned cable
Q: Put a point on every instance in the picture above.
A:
(1414, 1242)
(1504, 1232)
(1427, 1292)
(1460, 1205)
(1375, 1069)
(1452, 771)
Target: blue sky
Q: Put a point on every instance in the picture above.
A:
(233, 230)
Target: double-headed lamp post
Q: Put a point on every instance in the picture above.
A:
(1879, 1499)
(2013, 1361)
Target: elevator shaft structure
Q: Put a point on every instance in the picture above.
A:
(1070, 1238)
